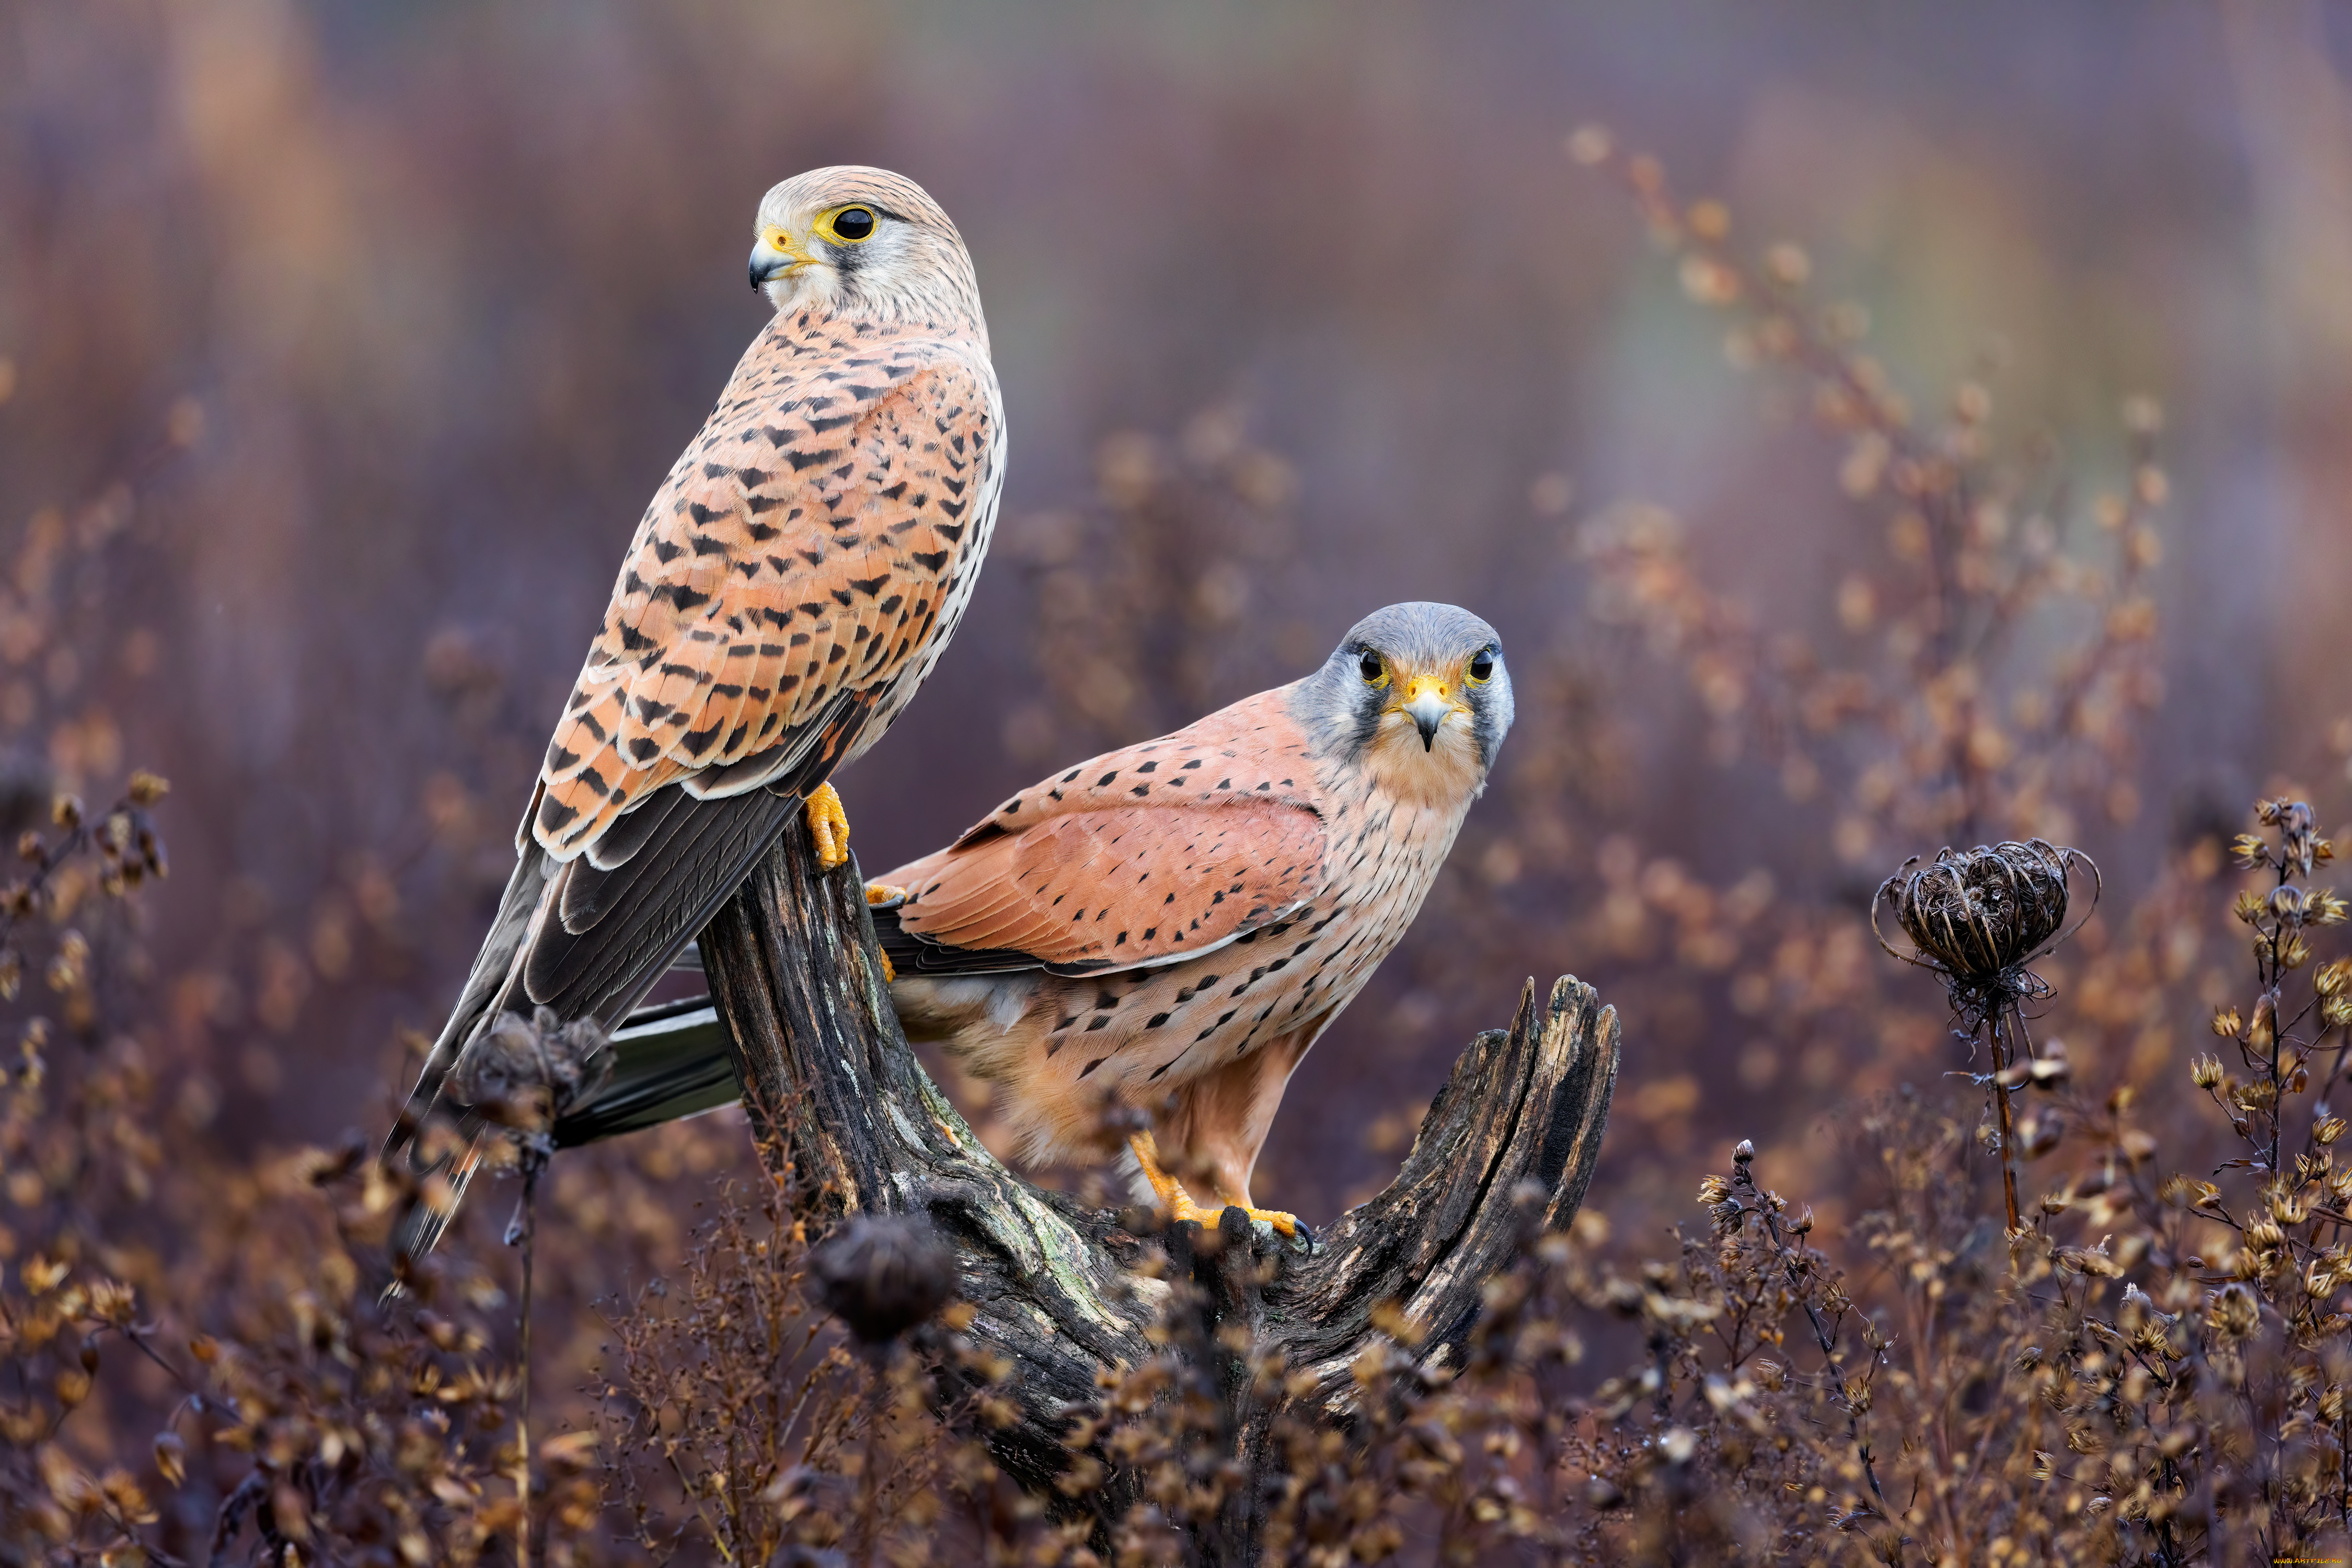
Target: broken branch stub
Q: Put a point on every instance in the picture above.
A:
(836, 1092)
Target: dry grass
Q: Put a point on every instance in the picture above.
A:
(2072, 1303)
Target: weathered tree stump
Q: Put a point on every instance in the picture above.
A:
(831, 1080)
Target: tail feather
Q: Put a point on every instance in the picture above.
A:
(435, 1176)
(590, 940)
(669, 1062)
(420, 1225)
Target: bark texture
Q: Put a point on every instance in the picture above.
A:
(795, 974)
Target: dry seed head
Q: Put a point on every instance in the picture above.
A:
(1979, 915)
(2205, 1072)
(1590, 145)
(1708, 282)
(883, 1274)
(1787, 265)
(524, 1073)
(2327, 1132)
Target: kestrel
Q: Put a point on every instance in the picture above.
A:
(793, 581)
(1171, 926)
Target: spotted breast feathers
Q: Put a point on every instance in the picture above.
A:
(803, 549)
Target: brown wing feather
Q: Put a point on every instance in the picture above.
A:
(1138, 857)
(803, 547)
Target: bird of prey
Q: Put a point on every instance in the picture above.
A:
(1169, 926)
(794, 579)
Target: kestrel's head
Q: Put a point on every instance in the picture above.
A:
(855, 241)
(1416, 693)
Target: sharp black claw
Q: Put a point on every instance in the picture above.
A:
(895, 900)
(1306, 1235)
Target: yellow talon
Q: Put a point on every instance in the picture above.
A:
(828, 824)
(1179, 1203)
(884, 895)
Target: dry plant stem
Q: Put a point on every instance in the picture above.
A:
(1743, 1181)
(2003, 1050)
(522, 1336)
(840, 1099)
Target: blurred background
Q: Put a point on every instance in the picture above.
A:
(340, 346)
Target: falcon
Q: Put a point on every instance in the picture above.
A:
(794, 579)
(1168, 928)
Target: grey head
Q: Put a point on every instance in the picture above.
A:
(1416, 678)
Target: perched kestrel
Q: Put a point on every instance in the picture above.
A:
(793, 581)
(1169, 926)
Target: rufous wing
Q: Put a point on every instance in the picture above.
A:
(1139, 858)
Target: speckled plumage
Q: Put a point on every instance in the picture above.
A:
(1171, 925)
(796, 577)
(791, 586)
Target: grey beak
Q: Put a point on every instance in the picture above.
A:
(1429, 711)
(768, 263)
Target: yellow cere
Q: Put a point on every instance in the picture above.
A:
(1421, 683)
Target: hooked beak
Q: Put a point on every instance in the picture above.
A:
(776, 255)
(1425, 698)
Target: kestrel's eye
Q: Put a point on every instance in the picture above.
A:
(1482, 669)
(852, 224)
(1374, 672)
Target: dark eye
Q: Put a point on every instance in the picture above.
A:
(1373, 670)
(853, 223)
(1483, 666)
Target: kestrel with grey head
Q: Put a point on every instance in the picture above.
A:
(791, 586)
(1168, 927)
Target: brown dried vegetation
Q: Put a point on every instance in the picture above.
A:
(2017, 1325)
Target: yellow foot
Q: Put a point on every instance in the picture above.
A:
(828, 824)
(1179, 1203)
(883, 896)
